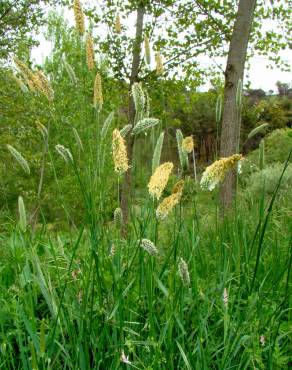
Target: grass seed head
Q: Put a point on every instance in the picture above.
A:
(125, 130)
(262, 340)
(184, 272)
(147, 104)
(157, 152)
(42, 85)
(89, 52)
(118, 25)
(144, 124)
(118, 217)
(188, 144)
(183, 157)
(106, 125)
(42, 129)
(79, 17)
(120, 156)
(225, 297)
(216, 172)
(64, 153)
(78, 139)
(167, 205)
(159, 64)
(97, 93)
(178, 187)
(138, 97)
(149, 247)
(112, 250)
(159, 179)
(19, 158)
(22, 214)
(26, 73)
(70, 71)
(147, 50)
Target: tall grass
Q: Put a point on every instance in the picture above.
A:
(93, 299)
(216, 295)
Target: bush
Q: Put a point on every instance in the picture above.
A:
(268, 178)
(277, 147)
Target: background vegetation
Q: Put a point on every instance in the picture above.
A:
(76, 291)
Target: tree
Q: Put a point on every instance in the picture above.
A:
(283, 88)
(136, 60)
(17, 20)
(231, 107)
(180, 31)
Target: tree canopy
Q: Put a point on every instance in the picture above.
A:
(18, 20)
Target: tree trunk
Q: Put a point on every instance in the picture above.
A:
(231, 112)
(127, 184)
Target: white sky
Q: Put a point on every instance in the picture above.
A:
(259, 75)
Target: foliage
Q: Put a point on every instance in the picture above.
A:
(181, 31)
(267, 179)
(53, 295)
(277, 147)
(80, 290)
(22, 112)
(17, 19)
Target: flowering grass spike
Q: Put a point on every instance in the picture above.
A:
(139, 98)
(147, 50)
(159, 64)
(79, 17)
(89, 52)
(188, 144)
(159, 179)
(125, 130)
(120, 156)
(26, 73)
(216, 172)
(149, 247)
(64, 152)
(118, 25)
(22, 214)
(118, 217)
(19, 158)
(184, 272)
(42, 85)
(97, 93)
(168, 203)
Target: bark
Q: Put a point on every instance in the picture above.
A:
(127, 184)
(234, 72)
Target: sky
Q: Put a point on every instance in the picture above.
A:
(259, 75)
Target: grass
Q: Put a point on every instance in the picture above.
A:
(92, 298)
(79, 300)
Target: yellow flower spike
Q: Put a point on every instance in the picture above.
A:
(167, 205)
(26, 73)
(79, 17)
(97, 93)
(178, 187)
(89, 52)
(216, 172)
(188, 144)
(118, 26)
(159, 179)
(119, 153)
(42, 85)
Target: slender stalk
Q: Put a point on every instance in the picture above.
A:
(194, 162)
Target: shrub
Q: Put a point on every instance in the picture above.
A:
(277, 147)
(268, 178)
